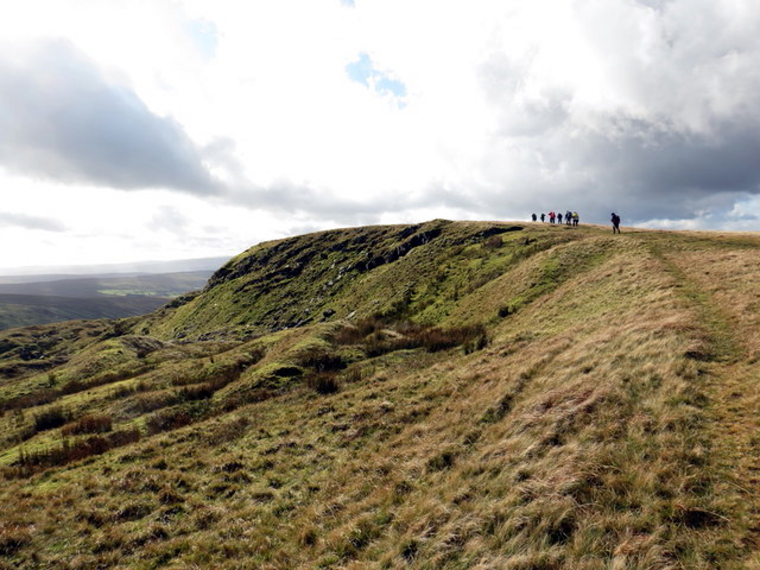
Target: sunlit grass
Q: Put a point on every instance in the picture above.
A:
(609, 421)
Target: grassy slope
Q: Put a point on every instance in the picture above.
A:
(610, 422)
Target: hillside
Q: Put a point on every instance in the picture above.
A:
(445, 395)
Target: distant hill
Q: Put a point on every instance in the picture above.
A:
(152, 285)
(23, 304)
(446, 395)
(25, 310)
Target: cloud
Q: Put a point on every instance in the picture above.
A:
(31, 222)
(624, 106)
(65, 121)
(321, 208)
(288, 113)
(169, 219)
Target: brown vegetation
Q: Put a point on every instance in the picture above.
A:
(549, 400)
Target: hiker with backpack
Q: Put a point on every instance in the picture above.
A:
(615, 223)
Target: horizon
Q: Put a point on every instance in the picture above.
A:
(139, 265)
(95, 269)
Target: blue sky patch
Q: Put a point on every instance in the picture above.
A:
(363, 71)
(204, 34)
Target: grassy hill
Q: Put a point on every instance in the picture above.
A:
(444, 395)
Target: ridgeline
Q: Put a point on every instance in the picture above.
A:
(447, 395)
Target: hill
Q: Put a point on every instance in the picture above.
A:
(440, 395)
(56, 300)
(165, 285)
(23, 310)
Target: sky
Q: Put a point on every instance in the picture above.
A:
(161, 129)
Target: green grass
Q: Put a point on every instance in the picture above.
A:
(305, 412)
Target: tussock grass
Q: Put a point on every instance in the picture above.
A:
(608, 420)
(88, 424)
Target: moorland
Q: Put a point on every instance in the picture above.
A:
(446, 395)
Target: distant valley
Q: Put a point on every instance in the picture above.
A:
(50, 299)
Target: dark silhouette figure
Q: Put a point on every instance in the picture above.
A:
(559, 218)
(615, 223)
(543, 217)
(533, 216)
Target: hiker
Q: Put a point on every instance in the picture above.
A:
(543, 217)
(568, 217)
(576, 218)
(533, 216)
(552, 215)
(559, 218)
(615, 223)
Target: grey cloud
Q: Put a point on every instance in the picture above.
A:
(671, 175)
(31, 222)
(299, 199)
(679, 140)
(169, 219)
(290, 198)
(61, 119)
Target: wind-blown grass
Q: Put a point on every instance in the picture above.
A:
(607, 420)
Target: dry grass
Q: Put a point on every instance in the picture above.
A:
(599, 428)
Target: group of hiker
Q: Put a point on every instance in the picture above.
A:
(570, 218)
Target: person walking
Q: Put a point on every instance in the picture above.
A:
(615, 223)
(543, 217)
(533, 216)
(576, 218)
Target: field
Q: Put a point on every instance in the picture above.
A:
(448, 395)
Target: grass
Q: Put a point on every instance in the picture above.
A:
(584, 432)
